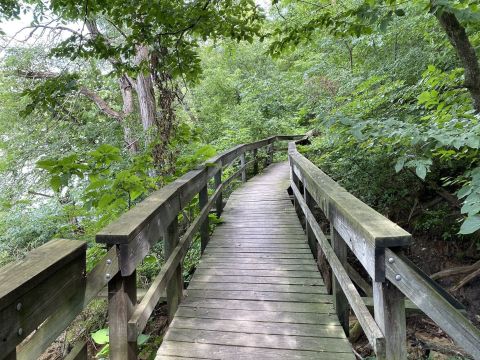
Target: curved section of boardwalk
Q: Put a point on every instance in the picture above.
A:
(257, 293)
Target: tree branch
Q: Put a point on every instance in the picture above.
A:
(102, 104)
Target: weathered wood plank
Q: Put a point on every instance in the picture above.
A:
(303, 289)
(253, 305)
(333, 345)
(212, 351)
(322, 318)
(256, 327)
(259, 296)
(257, 266)
(258, 273)
(259, 280)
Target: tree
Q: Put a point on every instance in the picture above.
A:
(150, 50)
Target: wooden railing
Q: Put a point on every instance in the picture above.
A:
(42, 294)
(376, 242)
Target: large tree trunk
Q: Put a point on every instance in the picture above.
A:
(145, 92)
(466, 52)
(127, 96)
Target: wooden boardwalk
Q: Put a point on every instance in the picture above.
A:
(257, 293)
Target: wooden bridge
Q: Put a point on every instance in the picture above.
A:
(257, 292)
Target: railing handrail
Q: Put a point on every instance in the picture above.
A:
(174, 195)
(369, 235)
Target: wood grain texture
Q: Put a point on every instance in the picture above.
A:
(256, 293)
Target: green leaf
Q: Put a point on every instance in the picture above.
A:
(466, 190)
(421, 171)
(56, 183)
(400, 12)
(470, 225)
(142, 339)
(399, 164)
(100, 337)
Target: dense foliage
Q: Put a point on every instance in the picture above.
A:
(103, 102)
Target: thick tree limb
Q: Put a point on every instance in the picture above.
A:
(102, 104)
(30, 74)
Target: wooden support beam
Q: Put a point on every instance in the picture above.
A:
(389, 310)
(255, 161)
(175, 284)
(202, 201)
(271, 151)
(122, 297)
(359, 280)
(340, 301)
(312, 242)
(242, 164)
(219, 202)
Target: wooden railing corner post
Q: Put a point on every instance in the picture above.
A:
(219, 202)
(175, 284)
(122, 298)
(340, 301)
(242, 164)
(202, 201)
(389, 310)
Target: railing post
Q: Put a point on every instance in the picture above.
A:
(202, 201)
(175, 284)
(312, 241)
(219, 201)
(389, 310)
(271, 150)
(255, 161)
(296, 181)
(339, 299)
(242, 164)
(122, 298)
(265, 162)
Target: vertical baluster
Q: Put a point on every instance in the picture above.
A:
(175, 284)
(202, 201)
(389, 310)
(219, 201)
(255, 161)
(122, 298)
(242, 164)
(312, 241)
(339, 299)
